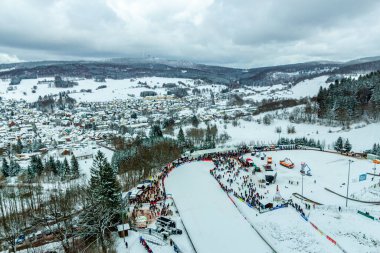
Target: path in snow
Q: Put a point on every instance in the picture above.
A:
(213, 222)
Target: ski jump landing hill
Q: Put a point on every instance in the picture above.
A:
(212, 221)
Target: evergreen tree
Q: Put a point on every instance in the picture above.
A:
(97, 164)
(103, 183)
(212, 98)
(319, 144)
(19, 146)
(103, 199)
(181, 136)
(168, 123)
(194, 121)
(214, 132)
(35, 146)
(39, 166)
(14, 168)
(36, 165)
(31, 173)
(347, 146)
(339, 144)
(267, 119)
(208, 134)
(74, 166)
(59, 167)
(52, 166)
(155, 131)
(5, 168)
(110, 188)
(66, 168)
(208, 139)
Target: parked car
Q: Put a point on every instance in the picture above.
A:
(176, 231)
(144, 184)
(47, 232)
(31, 237)
(20, 239)
(39, 235)
(163, 221)
(134, 193)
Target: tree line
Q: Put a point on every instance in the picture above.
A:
(303, 141)
(37, 168)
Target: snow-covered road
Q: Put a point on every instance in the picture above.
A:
(213, 222)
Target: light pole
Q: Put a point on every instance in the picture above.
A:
(376, 161)
(122, 213)
(348, 179)
(302, 174)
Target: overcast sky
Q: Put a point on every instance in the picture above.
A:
(240, 33)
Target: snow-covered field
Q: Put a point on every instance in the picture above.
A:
(121, 89)
(328, 170)
(213, 222)
(361, 138)
(307, 88)
(116, 89)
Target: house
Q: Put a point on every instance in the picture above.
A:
(122, 230)
(83, 154)
(372, 157)
(65, 152)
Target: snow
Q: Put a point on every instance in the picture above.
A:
(122, 89)
(286, 229)
(132, 239)
(134, 245)
(328, 171)
(116, 89)
(86, 164)
(252, 131)
(200, 200)
(54, 247)
(356, 232)
(306, 88)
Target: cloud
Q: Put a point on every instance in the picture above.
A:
(6, 58)
(235, 33)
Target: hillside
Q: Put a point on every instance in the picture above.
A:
(148, 67)
(351, 99)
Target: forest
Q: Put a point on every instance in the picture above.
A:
(350, 100)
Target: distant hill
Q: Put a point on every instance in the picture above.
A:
(363, 60)
(124, 68)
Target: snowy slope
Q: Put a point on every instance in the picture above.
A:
(116, 89)
(360, 138)
(200, 202)
(307, 88)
